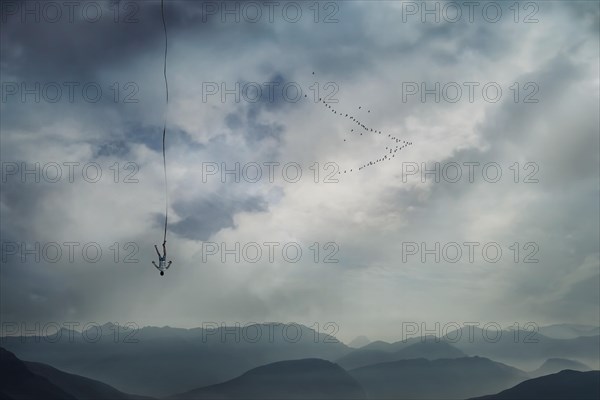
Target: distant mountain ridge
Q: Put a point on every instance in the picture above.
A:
(436, 379)
(515, 347)
(429, 350)
(19, 382)
(296, 379)
(554, 365)
(569, 331)
(359, 341)
(317, 379)
(191, 359)
(564, 385)
(29, 380)
(187, 358)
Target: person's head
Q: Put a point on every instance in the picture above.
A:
(162, 273)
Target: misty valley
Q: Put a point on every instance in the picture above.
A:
(292, 361)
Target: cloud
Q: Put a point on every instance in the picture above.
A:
(366, 56)
(201, 218)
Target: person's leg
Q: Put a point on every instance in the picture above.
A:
(157, 252)
(165, 250)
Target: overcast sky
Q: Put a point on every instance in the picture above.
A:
(369, 57)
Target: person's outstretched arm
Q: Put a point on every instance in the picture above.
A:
(155, 265)
(169, 264)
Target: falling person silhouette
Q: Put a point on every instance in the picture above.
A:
(162, 260)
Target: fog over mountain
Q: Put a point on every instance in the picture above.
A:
(359, 342)
(298, 379)
(187, 358)
(439, 379)
(223, 363)
(554, 365)
(37, 380)
(430, 350)
(562, 385)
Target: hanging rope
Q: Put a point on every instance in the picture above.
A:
(162, 12)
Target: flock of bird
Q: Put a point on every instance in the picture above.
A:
(361, 128)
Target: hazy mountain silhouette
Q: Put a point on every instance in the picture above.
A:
(436, 379)
(393, 347)
(380, 345)
(359, 341)
(297, 379)
(23, 379)
(524, 348)
(564, 385)
(18, 382)
(569, 331)
(362, 357)
(186, 358)
(429, 350)
(554, 365)
(79, 386)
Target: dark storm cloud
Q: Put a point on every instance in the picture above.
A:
(152, 137)
(585, 13)
(451, 42)
(233, 121)
(78, 48)
(279, 98)
(257, 130)
(74, 49)
(117, 148)
(270, 97)
(204, 217)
